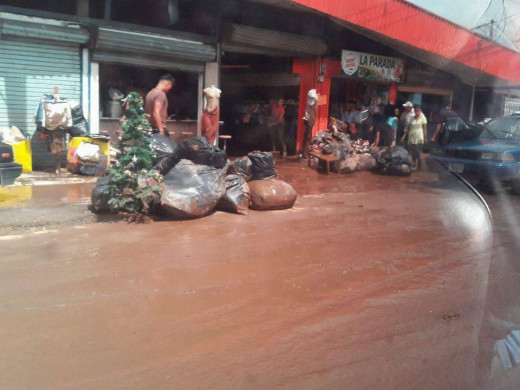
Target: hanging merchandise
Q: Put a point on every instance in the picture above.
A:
(57, 115)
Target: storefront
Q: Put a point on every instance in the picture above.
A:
(365, 81)
(37, 55)
(132, 61)
(256, 70)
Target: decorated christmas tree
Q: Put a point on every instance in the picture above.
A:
(133, 186)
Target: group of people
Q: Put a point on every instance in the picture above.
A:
(381, 125)
(385, 125)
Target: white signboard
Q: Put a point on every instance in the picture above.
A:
(372, 67)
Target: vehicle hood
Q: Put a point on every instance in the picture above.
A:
(487, 145)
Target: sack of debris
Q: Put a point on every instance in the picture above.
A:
(161, 146)
(101, 195)
(243, 167)
(394, 161)
(198, 150)
(271, 194)
(191, 190)
(357, 163)
(263, 166)
(88, 155)
(236, 198)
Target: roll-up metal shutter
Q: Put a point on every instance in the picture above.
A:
(276, 40)
(119, 41)
(147, 61)
(53, 32)
(28, 69)
(261, 80)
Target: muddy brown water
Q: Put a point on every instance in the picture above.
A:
(368, 282)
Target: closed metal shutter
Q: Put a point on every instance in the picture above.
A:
(151, 50)
(28, 69)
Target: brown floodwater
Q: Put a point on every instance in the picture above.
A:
(368, 282)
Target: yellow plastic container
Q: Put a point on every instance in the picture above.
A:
(72, 160)
(23, 154)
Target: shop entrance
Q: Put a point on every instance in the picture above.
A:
(182, 100)
(251, 84)
(348, 94)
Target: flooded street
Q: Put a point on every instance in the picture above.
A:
(368, 282)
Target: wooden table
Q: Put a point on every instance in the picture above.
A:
(327, 158)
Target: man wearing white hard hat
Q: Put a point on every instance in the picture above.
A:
(405, 118)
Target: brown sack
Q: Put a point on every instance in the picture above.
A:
(271, 194)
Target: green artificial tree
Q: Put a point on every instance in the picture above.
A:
(133, 185)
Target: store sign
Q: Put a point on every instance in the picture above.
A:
(372, 67)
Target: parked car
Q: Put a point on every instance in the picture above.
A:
(9, 170)
(489, 153)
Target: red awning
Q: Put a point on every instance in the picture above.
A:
(425, 36)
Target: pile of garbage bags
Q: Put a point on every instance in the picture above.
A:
(353, 155)
(199, 179)
(357, 155)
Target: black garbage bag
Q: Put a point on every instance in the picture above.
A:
(236, 198)
(197, 150)
(394, 161)
(200, 151)
(162, 147)
(456, 130)
(262, 165)
(191, 190)
(243, 167)
(79, 123)
(101, 195)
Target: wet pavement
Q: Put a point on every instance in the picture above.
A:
(368, 282)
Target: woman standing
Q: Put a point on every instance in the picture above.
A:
(416, 132)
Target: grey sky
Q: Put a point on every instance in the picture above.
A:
(471, 13)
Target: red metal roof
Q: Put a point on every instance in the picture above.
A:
(413, 26)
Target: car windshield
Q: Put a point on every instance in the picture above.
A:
(506, 128)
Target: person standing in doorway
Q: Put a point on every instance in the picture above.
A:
(416, 132)
(405, 118)
(444, 115)
(309, 120)
(276, 125)
(156, 104)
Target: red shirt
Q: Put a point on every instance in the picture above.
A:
(277, 113)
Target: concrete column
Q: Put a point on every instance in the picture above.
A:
(94, 98)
